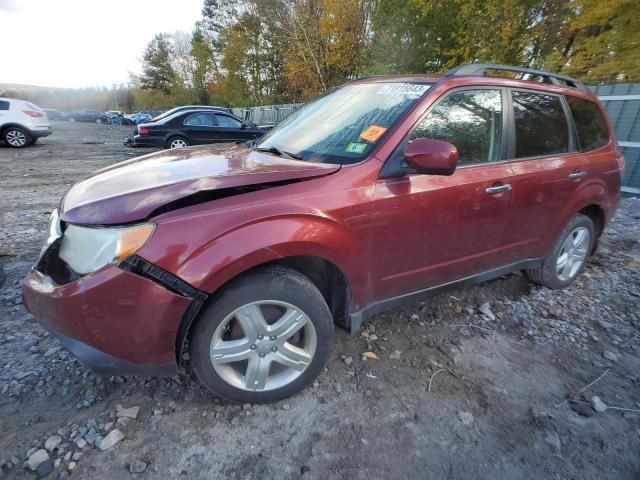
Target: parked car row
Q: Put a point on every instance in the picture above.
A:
(176, 128)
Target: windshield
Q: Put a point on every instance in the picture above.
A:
(345, 125)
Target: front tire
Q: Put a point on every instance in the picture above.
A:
(568, 256)
(17, 137)
(264, 337)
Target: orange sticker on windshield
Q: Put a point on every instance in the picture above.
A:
(372, 133)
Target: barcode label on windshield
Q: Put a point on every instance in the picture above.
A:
(403, 89)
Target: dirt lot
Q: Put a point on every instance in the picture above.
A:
(469, 385)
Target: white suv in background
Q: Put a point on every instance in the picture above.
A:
(22, 123)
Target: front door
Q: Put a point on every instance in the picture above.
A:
(431, 229)
(233, 130)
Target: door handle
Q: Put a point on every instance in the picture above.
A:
(577, 175)
(498, 189)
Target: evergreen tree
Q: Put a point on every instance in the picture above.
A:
(157, 72)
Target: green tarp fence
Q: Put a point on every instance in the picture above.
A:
(623, 106)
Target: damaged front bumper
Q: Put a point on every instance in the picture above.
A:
(115, 321)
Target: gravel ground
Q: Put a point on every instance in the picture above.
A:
(471, 384)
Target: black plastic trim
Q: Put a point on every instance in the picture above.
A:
(355, 319)
(54, 267)
(140, 266)
(103, 363)
(549, 78)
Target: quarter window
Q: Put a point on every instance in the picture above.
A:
(200, 120)
(227, 121)
(590, 124)
(541, 125)
(4, 105)
(471, 120)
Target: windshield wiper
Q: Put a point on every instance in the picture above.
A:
(278, 152)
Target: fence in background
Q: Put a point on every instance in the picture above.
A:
(622, 102)
(269, 114)
(623, 106)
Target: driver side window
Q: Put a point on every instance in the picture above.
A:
(469, 119)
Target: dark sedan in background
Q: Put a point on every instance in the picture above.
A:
(95, 116)
(195, 127)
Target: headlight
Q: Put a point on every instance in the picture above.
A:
(86, 249)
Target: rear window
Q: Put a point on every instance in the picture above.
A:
(591, 126)
(541, 125)
(4, 105)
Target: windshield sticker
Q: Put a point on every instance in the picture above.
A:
(356, 148)
(403, 89)
(372, 133)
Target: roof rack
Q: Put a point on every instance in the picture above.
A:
(481, 69)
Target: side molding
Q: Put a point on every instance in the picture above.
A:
(355, 319)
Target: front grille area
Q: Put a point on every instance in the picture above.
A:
(53, 266)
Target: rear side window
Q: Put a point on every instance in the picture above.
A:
(4, 105)
(541, 125)
(590, 124)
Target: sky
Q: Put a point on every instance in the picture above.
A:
(83, 43)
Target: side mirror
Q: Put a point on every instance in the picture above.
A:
(433, 157)
(244, 126)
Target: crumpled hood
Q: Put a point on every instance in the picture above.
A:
(132, 190)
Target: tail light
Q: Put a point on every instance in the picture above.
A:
(143, 131)
(33, 113)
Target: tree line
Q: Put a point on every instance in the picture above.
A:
(252, 52)
(257, 52)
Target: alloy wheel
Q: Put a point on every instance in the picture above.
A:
(573, 253)
(178, 143)
(263, 345)
(16, 138)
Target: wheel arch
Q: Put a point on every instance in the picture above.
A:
(173, 134)
(596, 213)
(6, 126)
(330, 280)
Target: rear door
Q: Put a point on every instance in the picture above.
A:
(201, 128)
(547, 171)
(432, 229)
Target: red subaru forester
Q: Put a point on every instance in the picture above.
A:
(380, 192)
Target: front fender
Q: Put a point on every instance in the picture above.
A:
(209, 265)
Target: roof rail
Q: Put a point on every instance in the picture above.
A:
(481, 68)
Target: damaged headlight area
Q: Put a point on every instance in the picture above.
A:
(87, 249)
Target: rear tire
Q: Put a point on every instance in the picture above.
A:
(568, 256)
(280, 328)
(177, 141)
(17, 137)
